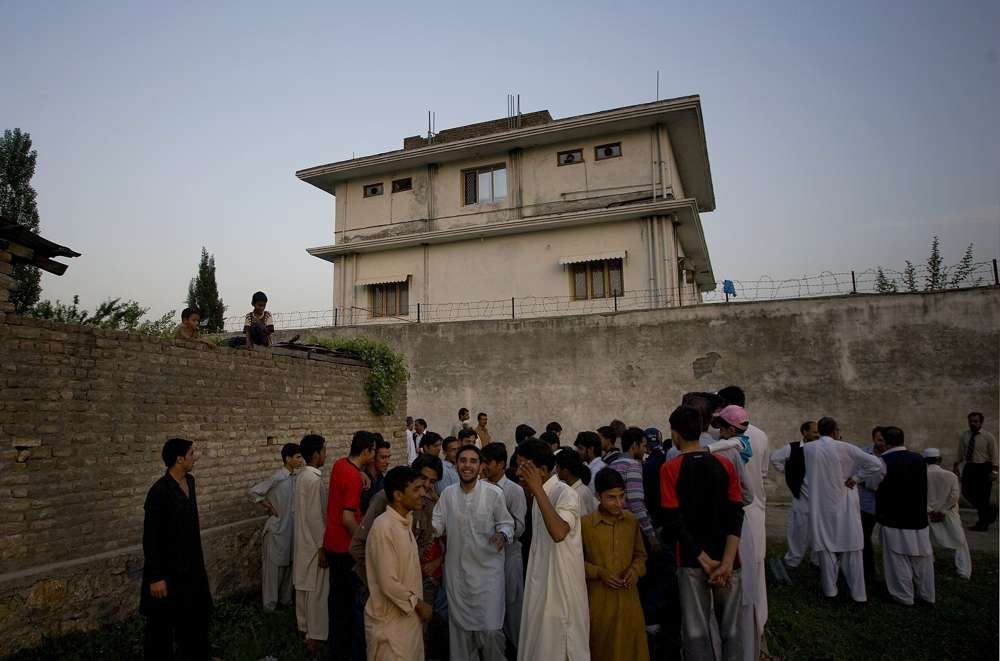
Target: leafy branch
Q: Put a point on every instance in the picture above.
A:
(386, 368)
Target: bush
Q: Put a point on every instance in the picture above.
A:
(387, 368)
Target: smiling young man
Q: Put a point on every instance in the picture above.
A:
(474, 515)
(175, 598)
(395, 608)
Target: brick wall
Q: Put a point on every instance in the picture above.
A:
(6, 280)
(83, 416)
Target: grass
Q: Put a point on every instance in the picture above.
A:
(802, 625)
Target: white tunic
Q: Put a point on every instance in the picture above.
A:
(310, 524)
(279, 491)
(588, 503)
(942, 496)
(555, 620)
(834, 510)
(800, 505)
(473, 568)
(595, 467)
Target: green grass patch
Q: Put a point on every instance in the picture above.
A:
(802, 624)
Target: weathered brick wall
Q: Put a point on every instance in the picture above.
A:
(6, 281)
(83, 416)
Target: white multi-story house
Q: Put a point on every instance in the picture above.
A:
(525, 215)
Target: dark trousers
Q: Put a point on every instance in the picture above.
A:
(868, 554)
(164, 629)
(977, 485)
(344, 586)
(660, 604)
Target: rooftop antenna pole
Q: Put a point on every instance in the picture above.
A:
(657, 84)
(518, 111)
(428, 126)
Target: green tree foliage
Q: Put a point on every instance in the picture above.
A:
(962, 275)
(112, 313)
(17, 203)
(203, 293)
(883, 284)
(910, 276)
(934, 278)
(386, 369)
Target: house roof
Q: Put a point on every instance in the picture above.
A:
(27, 247)
(682, 117)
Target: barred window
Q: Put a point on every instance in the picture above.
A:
(571, 157)
(486, 184)
(391, 299)
(600, 279)
(400, 185)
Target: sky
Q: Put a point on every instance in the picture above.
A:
(841, 135)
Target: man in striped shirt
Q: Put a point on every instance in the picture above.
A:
(629, 465)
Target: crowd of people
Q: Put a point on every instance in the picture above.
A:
(623, 545)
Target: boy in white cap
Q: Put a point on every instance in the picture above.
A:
(942, 511)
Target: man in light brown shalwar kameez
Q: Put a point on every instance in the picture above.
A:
(395, 610)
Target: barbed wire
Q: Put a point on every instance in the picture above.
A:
(826, 283)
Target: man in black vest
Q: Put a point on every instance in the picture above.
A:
(901, 509)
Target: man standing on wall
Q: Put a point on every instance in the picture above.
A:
(342, 519)
(175, 597)
(977, 450)
(276, 496)
(310, 572)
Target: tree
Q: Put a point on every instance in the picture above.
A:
(910, 276)
(112, 314)
(203, 293)
(883, 284)
(935, 277)
(962, 275)
(17, 203)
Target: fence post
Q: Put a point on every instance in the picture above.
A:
(512, 307)
(418, 313)
(996, 277)
(854, 284)
(335, 310)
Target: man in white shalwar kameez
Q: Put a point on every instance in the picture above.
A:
(833, 468)
(942, 509)
(277, 496)
(310, 572)
(494, 470)
(798, 518)
(474, 516)
(901, 510)
(555, 619)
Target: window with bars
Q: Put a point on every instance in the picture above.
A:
(571, 157)
(600, 279)
(486, 184)
(390, 299)
(400, 185)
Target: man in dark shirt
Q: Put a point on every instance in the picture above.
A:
(175, 597)
(376, 471)
(703, 515)
(658, 588)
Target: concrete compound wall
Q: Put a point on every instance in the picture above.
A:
(83, 417)
(920, 361)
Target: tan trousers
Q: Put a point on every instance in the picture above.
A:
(311, 610)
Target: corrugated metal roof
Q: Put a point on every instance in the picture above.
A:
(596, 257)
(383, 280)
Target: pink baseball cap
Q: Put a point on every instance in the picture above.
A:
(736, 416)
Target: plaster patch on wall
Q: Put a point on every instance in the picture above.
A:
(705, 364)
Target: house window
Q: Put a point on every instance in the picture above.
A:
(571, 157)
(487, 184)
(400, 185)
(600, 279)
(372, 190)
(614, 150)
(391, 299)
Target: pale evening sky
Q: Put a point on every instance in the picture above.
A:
(841, 135)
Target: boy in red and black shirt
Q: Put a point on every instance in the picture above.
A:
(703, 515)
(343, 516)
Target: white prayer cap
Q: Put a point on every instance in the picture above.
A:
(932, 453)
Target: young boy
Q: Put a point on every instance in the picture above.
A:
(276, 496)
(703, 515)
(258, 326)
(190, 327)
(614, 558)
